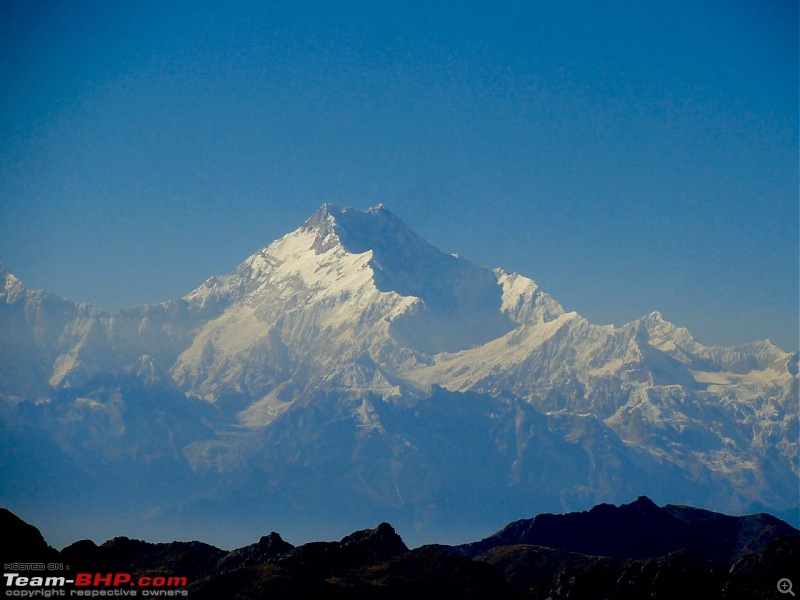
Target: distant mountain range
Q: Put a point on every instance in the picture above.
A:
(351, 373)
(636, 550)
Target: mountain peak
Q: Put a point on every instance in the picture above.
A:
(322, 217)
(401, 259)
(12, 287)
(452, 289)
(358, 230)
(654, 317)
(331, 212)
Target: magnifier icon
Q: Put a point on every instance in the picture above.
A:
(785, 586)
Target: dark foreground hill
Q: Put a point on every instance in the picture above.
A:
(637, 550)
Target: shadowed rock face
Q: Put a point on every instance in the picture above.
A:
(268, 547)
(22, 542)
(721, 557)
(540, 573)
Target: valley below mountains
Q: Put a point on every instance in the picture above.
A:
(350, 373)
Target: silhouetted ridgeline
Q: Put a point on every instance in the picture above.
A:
(635, 550)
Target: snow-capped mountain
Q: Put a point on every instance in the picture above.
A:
(351, 370)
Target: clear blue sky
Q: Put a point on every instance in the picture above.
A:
(628, 156)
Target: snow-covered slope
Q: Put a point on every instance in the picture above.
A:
(351, 360)
(348, 289)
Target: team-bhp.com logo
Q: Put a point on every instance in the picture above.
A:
(93, 585)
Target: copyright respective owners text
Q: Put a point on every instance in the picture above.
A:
(56, 580)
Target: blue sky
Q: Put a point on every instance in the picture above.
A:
(628, 156)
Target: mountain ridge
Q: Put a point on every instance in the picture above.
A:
(348, 338)
(655, 552)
